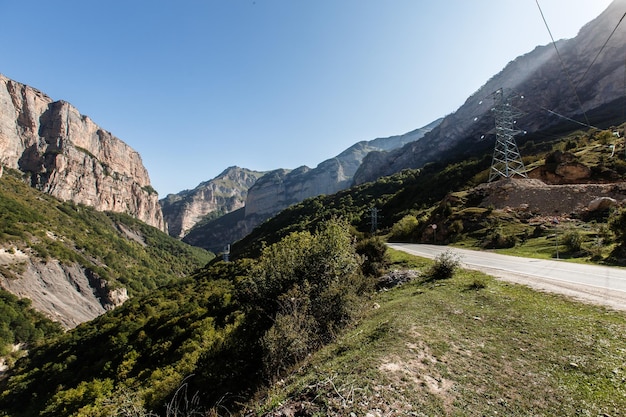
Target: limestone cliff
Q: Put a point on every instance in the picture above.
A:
(223, 194)
(70, 157)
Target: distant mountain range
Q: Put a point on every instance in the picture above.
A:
(261, 195)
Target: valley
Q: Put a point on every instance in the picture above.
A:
(280, 293)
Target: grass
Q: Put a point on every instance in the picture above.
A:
(470, 345)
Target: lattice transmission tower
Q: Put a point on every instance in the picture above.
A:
(507, 161)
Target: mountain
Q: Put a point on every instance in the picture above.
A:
(281, 188)
(73, 262)
(223, 194)
(66, 155)
(546, 80)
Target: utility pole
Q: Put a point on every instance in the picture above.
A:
(507, 161)
(374, 219)
(226, 254)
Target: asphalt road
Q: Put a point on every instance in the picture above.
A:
(591, 283)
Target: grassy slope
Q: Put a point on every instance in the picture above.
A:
(50, 229)
(472, 346)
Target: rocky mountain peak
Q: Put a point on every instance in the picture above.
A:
(221, 195)
(545, 79)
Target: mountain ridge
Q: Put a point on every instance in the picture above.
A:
(281, 188)
(539, 77)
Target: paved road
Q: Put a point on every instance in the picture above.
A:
(592, 283)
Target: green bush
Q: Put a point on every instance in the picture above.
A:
(573, 240)
(310, 285)
(404, 229)
(446, 264)
(374, 254)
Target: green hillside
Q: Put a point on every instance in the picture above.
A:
(115, 247)
(221, 332)
(295, 325)
(119, 248)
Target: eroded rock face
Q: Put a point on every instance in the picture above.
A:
(67, 293)
(70, 157)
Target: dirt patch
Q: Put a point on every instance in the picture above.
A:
(540, 198)
(417, 367)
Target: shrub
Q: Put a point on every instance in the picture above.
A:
(445, 266)
(498, 240)
(573, 240)
(309, 284)
(404, 229)
(374, 254)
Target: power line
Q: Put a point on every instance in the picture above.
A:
(600, 51)
(563, 67)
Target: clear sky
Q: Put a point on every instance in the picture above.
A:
(199, 85)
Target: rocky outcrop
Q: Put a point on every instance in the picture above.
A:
(549, 100)
(67, 293)
(223, 194)
(70, 157)
(535, 196)
(562, 168)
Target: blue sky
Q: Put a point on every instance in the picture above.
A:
(199, 85)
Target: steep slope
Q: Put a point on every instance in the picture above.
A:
(70, 157)
(223, 194)
(73, 262)
(547, 89)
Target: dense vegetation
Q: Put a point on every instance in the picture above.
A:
(117, 247)
(20, 324)
(221, 332)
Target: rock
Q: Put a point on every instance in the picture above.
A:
(222, 195)
(396, 278)
(601, 203)
(70, 157)
(67, 293)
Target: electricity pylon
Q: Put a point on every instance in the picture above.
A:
(507, 161)
(374, 219)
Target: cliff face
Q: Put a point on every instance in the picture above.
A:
(70, 157)
(549, 99)
(67, 293)
(223, 194)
